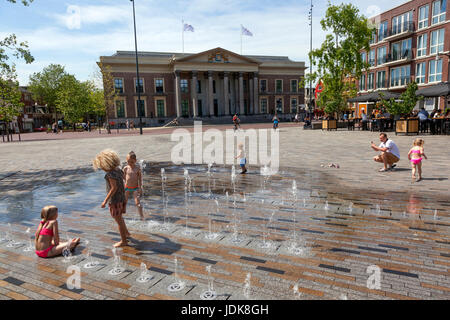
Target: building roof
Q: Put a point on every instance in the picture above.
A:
(177, 55)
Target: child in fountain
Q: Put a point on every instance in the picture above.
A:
(109, 161)
(415, 156)
(241, 157)
(133, 182)
(47, 235)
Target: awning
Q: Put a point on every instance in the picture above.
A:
(375, 96)
(436, 90)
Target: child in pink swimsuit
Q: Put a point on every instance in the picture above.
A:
(415, 156)
(47, 235)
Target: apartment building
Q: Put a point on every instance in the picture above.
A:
(412, 43)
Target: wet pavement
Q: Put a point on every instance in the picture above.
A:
(320, 237)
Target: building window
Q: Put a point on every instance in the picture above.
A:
(245, 85)
(422, 42)
(160, 110)
(364, 57)
(437, 41)
(401, 50)
(423, 16)
(400, 76)
(362, 82)
(214, 86)
(263, 105)
(185, 108)
(120, 108)
(435, 71)
(370, 81)
(420, 73)
(279, 104)
(294, 105)
(439, 9)
(118, 85)
(159, 85)
(382, 31)
(381, 55)
(140, 108)
(402, 23)
(263, 85)
(294, 86)
(139, 87)
(372, 58)
(381, 79)
(199, 86)
(184, 86)
(374, 37)
(229, 86)
(279, 86)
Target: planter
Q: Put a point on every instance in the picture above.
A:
(407, 126)
(329, 124)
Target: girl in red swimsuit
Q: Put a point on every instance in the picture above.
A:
(47, 235)
(415, 156)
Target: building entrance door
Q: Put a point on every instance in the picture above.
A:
(216, 108)
(199, 108)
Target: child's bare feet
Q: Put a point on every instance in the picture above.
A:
(128, 235)
(74, 243)
(120, 244)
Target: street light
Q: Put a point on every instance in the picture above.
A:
(137, 71)
(311, 107)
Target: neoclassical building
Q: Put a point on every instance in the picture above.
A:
(214, 83)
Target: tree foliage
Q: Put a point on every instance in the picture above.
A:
(75, 99)
(45, 85)
(10, 46)
(10, 96)
(403, 105)
(24, 2)
(104, 75)
(339, 60)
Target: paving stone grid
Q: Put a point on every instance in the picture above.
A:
(404, 237)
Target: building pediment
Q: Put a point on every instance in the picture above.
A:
(215, 56)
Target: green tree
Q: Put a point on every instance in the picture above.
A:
(10, 46)
(403, 105)
(10, 97)
(104, 75)
(74, 98)
(339, 60)
(44, 86)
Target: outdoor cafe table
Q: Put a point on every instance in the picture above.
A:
(384, 124)
(437, 125)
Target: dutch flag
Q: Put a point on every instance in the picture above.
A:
(188, 27)
(245, 31)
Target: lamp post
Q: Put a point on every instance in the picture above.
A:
(311, 107)
(137, 71)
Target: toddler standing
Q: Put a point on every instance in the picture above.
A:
(241, 157)
(415, 156)
(133, 182)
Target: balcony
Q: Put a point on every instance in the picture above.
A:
(399, 31)
(399, 58)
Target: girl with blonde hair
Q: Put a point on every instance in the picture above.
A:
(109, 161)
(415, 156)
(47, 235)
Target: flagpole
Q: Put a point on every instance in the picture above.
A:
(241, 39)
(182, 33)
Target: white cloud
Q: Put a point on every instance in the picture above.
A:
(279, 28)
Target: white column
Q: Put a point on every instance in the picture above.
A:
(256, 93)
(194, 93)
(241, 93)
(210, 94)
(225, 93)
(177, 93)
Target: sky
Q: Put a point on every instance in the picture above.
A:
(75, 33)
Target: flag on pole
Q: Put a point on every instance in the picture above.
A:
(245, 31)
(188, 27)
